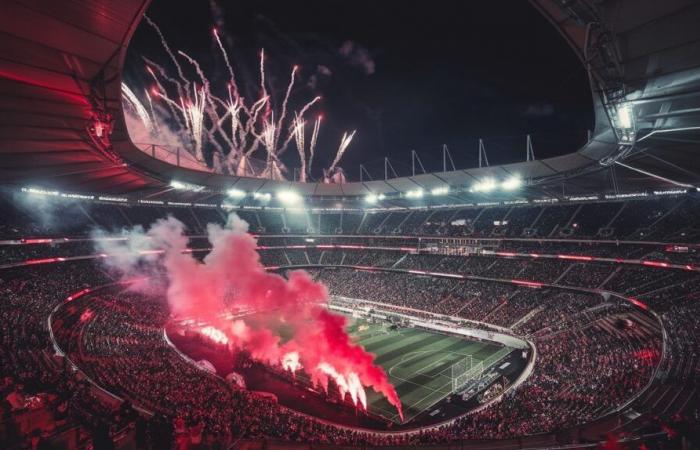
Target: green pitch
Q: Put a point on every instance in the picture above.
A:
(418, 363)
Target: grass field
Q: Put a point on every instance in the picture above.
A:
(418, 363)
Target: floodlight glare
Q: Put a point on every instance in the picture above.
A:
(624, 116)
(440, 190)
(485, 185)
(414, 193)
(181, 185)
(264, 196)
(511, 183)
(374, 198)
(288, 197)
(235, 193)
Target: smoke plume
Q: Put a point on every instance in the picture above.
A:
(232, 277)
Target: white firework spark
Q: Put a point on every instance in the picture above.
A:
(233, 84)
(233, 128)
(194, 117)
(154, 119)
(314, 138)
(141, 111)
(344, 143)
(299, 139)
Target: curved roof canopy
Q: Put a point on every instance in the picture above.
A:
(60, 74)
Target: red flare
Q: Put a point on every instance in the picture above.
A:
(232, 276)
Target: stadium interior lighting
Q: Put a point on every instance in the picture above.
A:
(263, 196)
(485, 185)
(415, 193)
(440, 190)
(374, 198)
(289, 197)
(235, 193)
(182, 186)
(624, 116)
(511, 183)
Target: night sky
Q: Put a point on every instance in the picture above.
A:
(407, 75)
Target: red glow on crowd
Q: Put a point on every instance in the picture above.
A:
(647, 356)
(576, 257)
(31, 262)
(655, 263)
(637, 303)
(530, 284)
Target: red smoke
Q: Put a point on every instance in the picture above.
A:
(230, 277)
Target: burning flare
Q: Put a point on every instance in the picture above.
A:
(231, 277)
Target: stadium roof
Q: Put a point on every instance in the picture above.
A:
(60, 72)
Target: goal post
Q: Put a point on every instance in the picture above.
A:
(461, 377)
(464, 371)
(461, 366)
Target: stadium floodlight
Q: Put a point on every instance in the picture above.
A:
(263, 196)
(182, 186)
(512, 183)
(485, 185)
(235, 193)
(414, 193)
(444, 190)
(624, 116)
(289, 197)
(373, 198)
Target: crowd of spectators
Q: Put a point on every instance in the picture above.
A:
(670, 219)
(586, 365)
(581, 372)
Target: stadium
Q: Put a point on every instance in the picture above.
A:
(173, 277)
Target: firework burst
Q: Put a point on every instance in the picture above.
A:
(231, 127)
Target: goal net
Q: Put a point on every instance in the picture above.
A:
(464, 370)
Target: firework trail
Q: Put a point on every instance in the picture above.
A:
(306, 107)
(255, 111)
(198, 69)
(150, 65)
(299, 140)
(344, 143)
(283, 115)
(138, 107)
(194, 117)
(153, 113)
(170, 52)
(255, 124)
(268, 136)
(156, 91)
(211, 110)
(234, 85)
(263, 90)
(233, 109)
(314, 137)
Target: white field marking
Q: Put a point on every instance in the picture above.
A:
(420, 371)
(413, 354)
(361, 338)
(415, 405)
(431, 392)
(408, 357)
